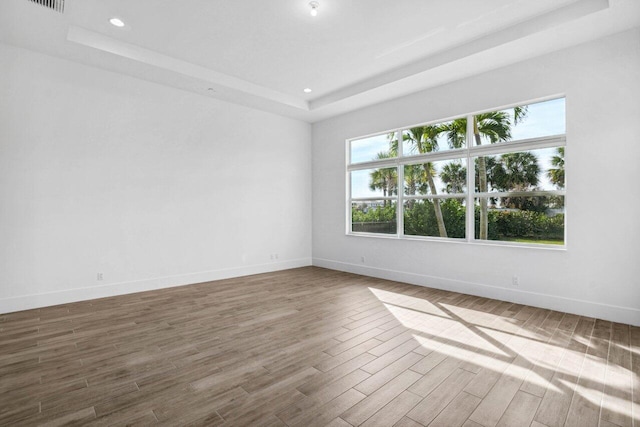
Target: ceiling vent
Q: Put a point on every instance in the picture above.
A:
(57, 5)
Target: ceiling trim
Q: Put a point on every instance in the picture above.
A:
(136, 53)
(384, 86)
(512, 33)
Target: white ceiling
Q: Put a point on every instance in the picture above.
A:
(353, 54)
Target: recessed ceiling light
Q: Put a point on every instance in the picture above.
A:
(116, 22)
(307, 90)
(314, 8)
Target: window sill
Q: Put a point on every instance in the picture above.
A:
(495, 243)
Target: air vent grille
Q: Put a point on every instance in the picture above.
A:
(57, 5)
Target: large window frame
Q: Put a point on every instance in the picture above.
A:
(467, 154)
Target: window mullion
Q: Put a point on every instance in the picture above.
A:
(532, 193)
(471, 184)
(400, 202)
(349, 216)
(349, 209)
(436, 196)
(376, 164)
(434, 156)
(518, 145)
(373, 199)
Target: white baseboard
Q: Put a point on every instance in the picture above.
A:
(612, 313)
(27, 302)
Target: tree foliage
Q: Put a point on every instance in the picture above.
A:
(454, 176)
(385, 179)
(420, 220)
(556, 174)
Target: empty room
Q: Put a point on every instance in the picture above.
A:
(320, 213)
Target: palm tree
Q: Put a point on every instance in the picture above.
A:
(494, 126)
(385, 179)
(454, 175)
(556, 175)
(414, 182)
(424, 139)
(516, 172)
(413, 174)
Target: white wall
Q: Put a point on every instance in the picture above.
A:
(149, 185)
(598, 274)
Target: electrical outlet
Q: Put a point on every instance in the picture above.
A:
(99, 277)
(362, 259)
(515, 280)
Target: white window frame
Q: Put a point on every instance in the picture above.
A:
(468, 153)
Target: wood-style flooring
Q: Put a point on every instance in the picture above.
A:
(314, 347)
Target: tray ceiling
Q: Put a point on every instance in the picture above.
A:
(353, 54)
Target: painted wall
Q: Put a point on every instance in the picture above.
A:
(148, 185)
(599, 272)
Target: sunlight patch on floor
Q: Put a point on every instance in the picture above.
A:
(538, 359)
(419, 321)
(409, 302)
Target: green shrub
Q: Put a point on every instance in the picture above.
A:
(420, 220)
(527, 224)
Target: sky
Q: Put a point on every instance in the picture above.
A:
(543, 119)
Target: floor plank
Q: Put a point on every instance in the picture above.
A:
(438, 399)
(311, 346)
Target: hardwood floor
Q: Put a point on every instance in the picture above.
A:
(309, 347)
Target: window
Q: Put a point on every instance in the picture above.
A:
(492, 176)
